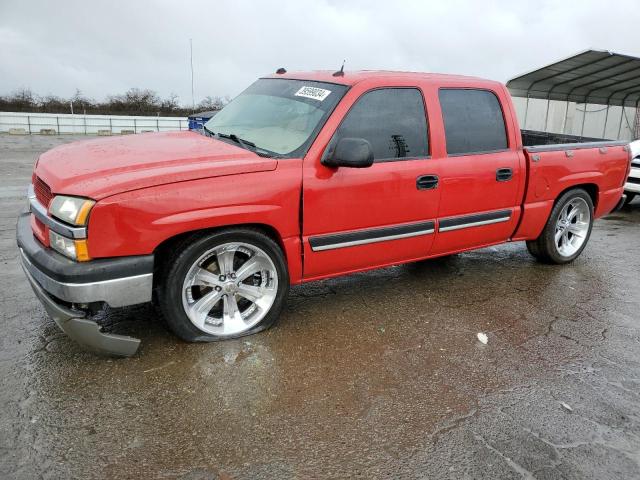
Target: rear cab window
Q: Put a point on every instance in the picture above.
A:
(473, 121)
(392, 120)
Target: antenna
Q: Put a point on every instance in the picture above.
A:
(340, 73)
(281, 70)
(193, 97)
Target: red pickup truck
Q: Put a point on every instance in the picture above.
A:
(303, 176)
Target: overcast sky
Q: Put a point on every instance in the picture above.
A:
(108, 47)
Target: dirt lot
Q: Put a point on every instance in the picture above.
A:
(373, 375)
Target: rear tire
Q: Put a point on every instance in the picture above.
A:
(567, 231)
(532, 247)
(223, 285)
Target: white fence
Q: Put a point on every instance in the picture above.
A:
(62, 124)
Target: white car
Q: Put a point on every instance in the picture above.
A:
(632, 187)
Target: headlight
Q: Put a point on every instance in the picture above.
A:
(73, 210)
(74, 249)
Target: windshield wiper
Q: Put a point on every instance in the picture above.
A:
(211, 133)
(243, 143)
(246, 144)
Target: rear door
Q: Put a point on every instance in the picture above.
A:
(481, 172)
(360, 218)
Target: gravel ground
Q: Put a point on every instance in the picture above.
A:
(373, 375)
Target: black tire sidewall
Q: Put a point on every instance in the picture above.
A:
(532, 247)
(170, 289)
(548, 245)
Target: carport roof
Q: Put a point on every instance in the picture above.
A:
(599, 77)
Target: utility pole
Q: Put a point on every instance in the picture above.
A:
(193, 97)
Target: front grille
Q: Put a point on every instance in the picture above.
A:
(634, 180)
(42, 191)
(636, 163)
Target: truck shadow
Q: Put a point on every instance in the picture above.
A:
(628, 213)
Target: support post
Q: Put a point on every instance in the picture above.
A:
(621, 118)
(526, 113)
(606, 117)
(564, 120)
(584, 117)
(546, 116)
(637, 124)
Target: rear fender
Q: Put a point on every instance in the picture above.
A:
(536, 213)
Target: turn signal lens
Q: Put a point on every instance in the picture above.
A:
(77, 250)
(82, 250)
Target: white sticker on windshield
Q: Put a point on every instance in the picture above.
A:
(313, 92)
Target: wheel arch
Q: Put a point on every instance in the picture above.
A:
(545, 246)
(592, 190)
(290, 246)
(162, 249)
(536, 214)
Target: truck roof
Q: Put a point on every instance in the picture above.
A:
(354, 77)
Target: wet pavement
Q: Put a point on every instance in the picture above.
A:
(373, 375)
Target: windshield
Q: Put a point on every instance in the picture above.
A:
(278, 115)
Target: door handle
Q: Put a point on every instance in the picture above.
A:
(504, 174)
(427, 182)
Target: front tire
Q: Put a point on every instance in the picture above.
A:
(567, 231)
(223, 285)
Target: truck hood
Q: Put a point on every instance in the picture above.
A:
(107, 166)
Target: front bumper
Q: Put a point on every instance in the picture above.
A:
(59, 283)
(83, 331)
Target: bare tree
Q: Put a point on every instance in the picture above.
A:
(22, 100)
(53, 104)
(135, 101)
(211, 103)
(170, 104)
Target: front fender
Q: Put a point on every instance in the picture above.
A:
(136, 222)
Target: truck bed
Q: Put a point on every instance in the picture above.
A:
(535, 141)
(598, 166)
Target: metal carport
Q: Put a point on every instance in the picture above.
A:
(591, 77)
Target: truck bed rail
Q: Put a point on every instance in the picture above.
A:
(575, 146)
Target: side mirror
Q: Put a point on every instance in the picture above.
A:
(350, 152)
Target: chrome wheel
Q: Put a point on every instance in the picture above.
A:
(230, 289)
(572, 227)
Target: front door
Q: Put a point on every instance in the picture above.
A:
(356, 218)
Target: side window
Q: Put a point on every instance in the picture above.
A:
(473, 121)
(392, 120)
